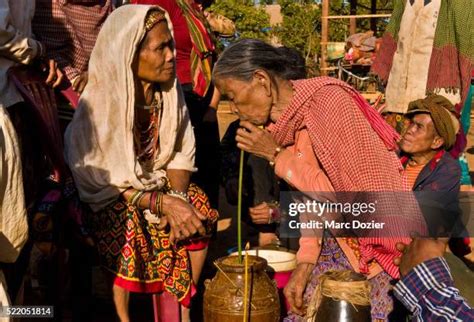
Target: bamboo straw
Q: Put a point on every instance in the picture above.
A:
(239, 207)
(246, 281)
(228, 278)
(225, 275)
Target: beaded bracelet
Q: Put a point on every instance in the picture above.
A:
(178, 194)
(135, 197)
(277, 151)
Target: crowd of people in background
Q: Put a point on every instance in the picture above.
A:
(142, 81)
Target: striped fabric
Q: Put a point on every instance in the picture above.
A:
(428, 292)
(69, 29)
(452, 59)
(203, 47)
(353, 143)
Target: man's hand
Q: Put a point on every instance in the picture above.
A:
(418, 251)
(261, 214)
(80, 82)
(296, 285)
(183, 218)
(55, 76)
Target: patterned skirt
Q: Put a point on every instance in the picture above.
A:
(141, 256)
(333, 258)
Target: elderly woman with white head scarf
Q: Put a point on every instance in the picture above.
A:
(131, 148)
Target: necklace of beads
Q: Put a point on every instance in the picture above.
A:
(147, 137)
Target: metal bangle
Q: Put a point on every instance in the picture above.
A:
(159, 204)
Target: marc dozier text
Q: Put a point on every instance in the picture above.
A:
(324, 210)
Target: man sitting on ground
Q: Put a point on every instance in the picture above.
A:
(429, 168)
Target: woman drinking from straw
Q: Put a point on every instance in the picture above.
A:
(317, 132)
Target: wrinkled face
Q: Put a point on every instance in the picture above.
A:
(421, 136)
(155, 58)
(248, 99)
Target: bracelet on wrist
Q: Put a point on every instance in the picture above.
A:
(178, 194)
(135, 198)
(275, 215)
(152, 201)
(275, 154)
(155, 203)
(153, 212)
(159, 204)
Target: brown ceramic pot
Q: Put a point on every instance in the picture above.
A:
(224, 294)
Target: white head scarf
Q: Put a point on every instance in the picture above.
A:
(99, 141)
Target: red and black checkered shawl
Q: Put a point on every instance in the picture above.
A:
(356, 150)
(69, 29)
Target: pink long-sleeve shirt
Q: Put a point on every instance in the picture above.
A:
(299, 167)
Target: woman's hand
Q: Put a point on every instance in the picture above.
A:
(260, 214)
(55, 75)
(183, 218)
(256, 141)
(80, 82)
(296, 285)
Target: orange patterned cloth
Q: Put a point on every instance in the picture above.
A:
(141, 256)
(353, 243)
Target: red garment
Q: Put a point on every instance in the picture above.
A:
(202, 52)
(181, 36)
(353, 143)
(153, 288)
(69, 30)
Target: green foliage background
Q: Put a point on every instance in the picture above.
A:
(301, 26)
(250, 21)
(301, 29)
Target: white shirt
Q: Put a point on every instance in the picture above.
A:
(409, 74)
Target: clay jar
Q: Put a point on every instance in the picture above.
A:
(224, 294)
